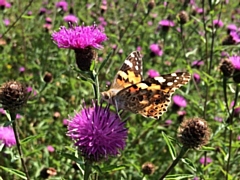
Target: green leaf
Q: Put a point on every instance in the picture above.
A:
(179, 176)
(72, 157)
(170, 146)
(31, 138)
(110, 168)
(189, 163)
(15, 172)
(104, 62)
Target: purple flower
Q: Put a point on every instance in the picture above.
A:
(63, 5)
(235, 61)
(7, 136)
(238, 138)
(166, 23)
(4, 3)
(152, 73)
(235, 37)
(79, 37)
(217, 23)
(139, 48)
(168, 122)
(21, 69)
(50, 148)
(42, 11)
(204, 160)
(97, 132)
(2, 111)
(179, 101)
(231, 27)
(196, 77)
(156, 49)
(18, 116)
(70, 18)
(65, 122)
(181, 113)
(6, 22)
(197, 63)
(219, 119)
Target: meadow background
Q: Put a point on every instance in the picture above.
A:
(198, 47)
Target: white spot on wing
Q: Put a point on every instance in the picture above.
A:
(173, 74)
(127, 62)
(136, 67)
(170, 83)
(160, 79)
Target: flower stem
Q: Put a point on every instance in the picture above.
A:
(182, 152)
(231, 131)
(87, 171)
(95, 85)
(14, 123)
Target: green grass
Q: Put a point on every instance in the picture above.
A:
(29, 45)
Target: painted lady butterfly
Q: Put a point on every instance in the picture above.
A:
(150, 97)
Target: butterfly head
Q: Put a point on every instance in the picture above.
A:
(107, 96)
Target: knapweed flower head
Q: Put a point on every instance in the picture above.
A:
(82, 39)
(196, 77)
(166, 24)
(152, 73)
(71, 18)
(226, 67)
(197, 63)
(63, 5)
(79, 37)
(205, 160)
(194, 133)
(217, 23)
(182, 17)
(231, 27)
(236, 64)
(97, 132)
(235, 61)
(179, 101)
(7, 136)
(156, 50)
(148, 168)
(13, 95)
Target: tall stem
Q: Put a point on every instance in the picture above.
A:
(174, 163)
(231, 131)
(14, 123)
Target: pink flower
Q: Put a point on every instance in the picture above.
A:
(7, 136)
(179, 101)
(50, 148)
(79, 37)
(70, 18)
(167, 23)
(153, 73)
(156, 49)
(204, 160)
(217, 23)
(63, 5)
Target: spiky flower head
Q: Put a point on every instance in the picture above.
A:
(236, 64)
(148, 168)
(194, 133)
(182, 17)
(7, 136)
(13, 95)
(227, 68)
(83, 40)
(150, 5)
(97, 132)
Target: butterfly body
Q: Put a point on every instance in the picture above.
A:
(149, 97)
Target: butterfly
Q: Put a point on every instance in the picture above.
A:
(150, 97)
